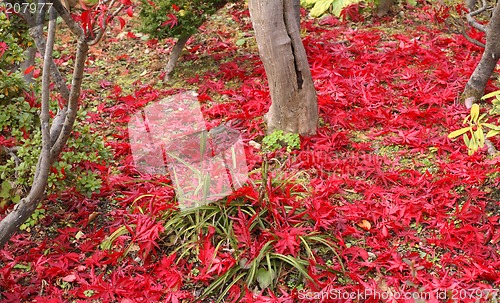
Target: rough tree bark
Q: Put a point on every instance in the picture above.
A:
(294, 107)
(474, 89)
(383, 7)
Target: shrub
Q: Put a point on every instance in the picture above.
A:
(474, 134)
(176, 18)
(20, 135)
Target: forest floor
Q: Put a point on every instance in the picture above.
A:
(380, 205)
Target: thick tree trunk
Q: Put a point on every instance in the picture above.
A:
(294, 105)
(383, 7)
(477, 82)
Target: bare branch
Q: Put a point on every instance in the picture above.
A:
(473, 22)
(11, 151)
(22, 210)
(68, 114)
(472, 40)
(36, 32)
(39, 39)
(42, 170)
(73, 26)
(480, 10)
(81, 55)
(104, 25)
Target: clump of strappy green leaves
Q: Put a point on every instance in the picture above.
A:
(474, 133)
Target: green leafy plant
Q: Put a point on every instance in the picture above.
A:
(176, 18)
(20, 136)
(11, 55)
(184, 230)
(279, 139)
(36, 216)
(474, 133)
(495, 102)
(321, 7)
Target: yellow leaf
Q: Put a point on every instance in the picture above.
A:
(466, 140)
(459, 132)
(473, 143)
(479, 135)
(320, 7)
(491, 126)
(339, 5)
(492, 133)
(466, 119)
(481, 118)
(474, 112)
(493, 94)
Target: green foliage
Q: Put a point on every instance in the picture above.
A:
(176, 18)
(495, 102)
(85, 147)
(476, 125)
(279, 139)
(20, 129)
(11, 54)
(33, 220)
(321, 7)
(184, 230)
(88, 293)
(107, 243)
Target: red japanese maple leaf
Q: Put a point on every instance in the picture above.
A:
(171, 21)
(146, 233)
(287, 241)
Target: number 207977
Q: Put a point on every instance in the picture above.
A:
(22, 7)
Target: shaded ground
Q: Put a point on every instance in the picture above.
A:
(405, 209)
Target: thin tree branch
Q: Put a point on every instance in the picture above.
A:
(43, 166)
(36, 32)
(472, 40)
(22, 210)
(38, 37)
(75, 28)
(81, 55)
(480, 10)
(105, 25)
(12, 153)
(473, 22)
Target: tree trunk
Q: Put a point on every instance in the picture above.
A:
(294, 107)
(383, 7)
(477, 82)
(174, 56)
